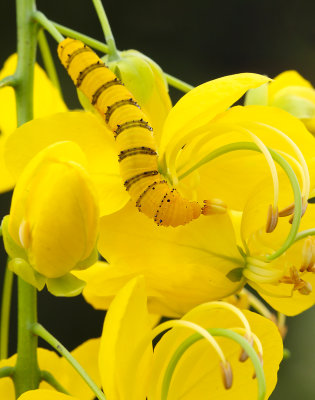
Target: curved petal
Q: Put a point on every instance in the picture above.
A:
(198, 373)
(199, 106)
(47, 100)
(182, 266)
(126, 325)
(42, 394)
(90, 134)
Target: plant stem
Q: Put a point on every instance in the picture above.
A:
(100, 46)
(6, 372)
(26, 375)
(40, 331)
(112, 50)
(5, 313)
(48, 60)
(8, 81)
(49, 378)
(48, 25)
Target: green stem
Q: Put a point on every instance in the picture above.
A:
(49, 378)
(215, 332)
(97, 45)
(48, 25)
(40, 331)
(27, 373)
(304, 234)
(178, 84)
(48, 60)
(8, 81)
(113, 53)
(5, 313)
(287, 169)
(6, 372)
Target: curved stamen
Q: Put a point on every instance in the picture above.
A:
(257, 304)
(228, 333)
(287, 169)
(306, 184)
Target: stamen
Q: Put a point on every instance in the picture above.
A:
(272, 219)
(227, 374)
(260, 271)
(195, 327)
(307, 254)
(257, 304)
(214, 206)
(298, 283)
(306, 184)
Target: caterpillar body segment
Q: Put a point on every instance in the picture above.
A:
(137, 153)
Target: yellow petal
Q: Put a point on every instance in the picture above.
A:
(182, 266)
(47, 100)
(123, 375)
(7, 391)
(90, 134)
(198, 107)
(198, 373)
(42, 394)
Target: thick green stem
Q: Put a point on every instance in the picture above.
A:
(26, 375)
(40, 331)
(5, 313)
(48, 25)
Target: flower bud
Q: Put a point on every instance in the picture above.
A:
(54, 213)
(146, 81)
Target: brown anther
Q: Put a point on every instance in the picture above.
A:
(311, 268)
(307, 254)
(227, 374)
(244, 356)
(213, 206)
(304, 207)
(272, 219)
(261, 361)
(287, 211)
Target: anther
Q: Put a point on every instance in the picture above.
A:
(244, 356)
(272, 219)
(307, 255)
(261, 361)
(227, 374)
(306, 288)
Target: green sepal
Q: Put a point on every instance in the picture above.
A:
(25, 271)
(65, 286)
(297, 106)
(257, 96)
(11, 247)
(235, 275)
(136, 74)
(90, 260)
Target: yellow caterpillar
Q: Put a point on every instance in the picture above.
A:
(135, 142)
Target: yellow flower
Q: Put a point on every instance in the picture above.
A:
(291, 92)
(47, 101)
(86, 354)
(129, 369)
(53, 223)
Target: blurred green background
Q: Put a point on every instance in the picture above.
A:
(195, 41)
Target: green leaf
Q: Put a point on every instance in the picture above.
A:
(66, 286)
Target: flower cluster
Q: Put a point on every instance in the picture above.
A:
(251, 167)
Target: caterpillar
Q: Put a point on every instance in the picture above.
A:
(137, 153)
